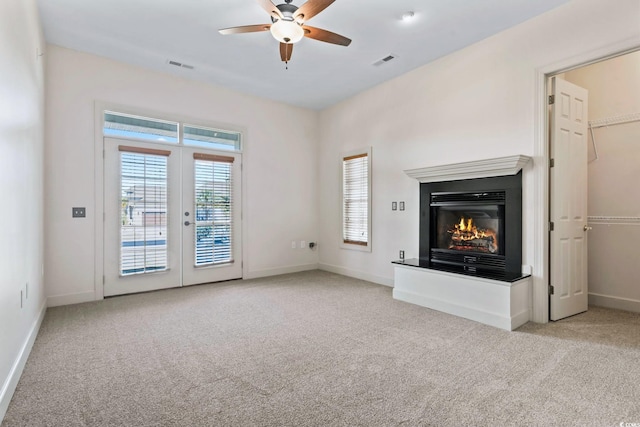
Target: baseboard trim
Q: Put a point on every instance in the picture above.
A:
(266, 272)
(67, 299)
(609, 301)
(357, 274)
(10, 384)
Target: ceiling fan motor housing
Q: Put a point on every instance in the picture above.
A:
(287, 11)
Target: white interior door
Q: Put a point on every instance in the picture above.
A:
(568, 204)
(172, 216)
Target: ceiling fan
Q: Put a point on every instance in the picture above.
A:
(288, 25)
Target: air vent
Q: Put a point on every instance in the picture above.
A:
(385, 59)
(180, 64)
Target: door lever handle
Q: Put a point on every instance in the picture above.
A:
(587, 228)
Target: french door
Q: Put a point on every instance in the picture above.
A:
(172, 216)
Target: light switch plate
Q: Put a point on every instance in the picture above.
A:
(78, 212)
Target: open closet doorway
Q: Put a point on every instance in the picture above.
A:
(612, 223)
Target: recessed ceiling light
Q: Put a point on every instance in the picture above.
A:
(408, 16)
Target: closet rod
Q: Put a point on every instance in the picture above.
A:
(616, 120)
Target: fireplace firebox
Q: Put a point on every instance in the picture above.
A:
(473, 226)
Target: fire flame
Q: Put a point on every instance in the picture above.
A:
(465, 233)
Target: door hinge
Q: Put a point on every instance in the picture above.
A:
(552, 99)
(552, 162)
(103, 279)
(551, 290)
(103, 153)
(551, 225)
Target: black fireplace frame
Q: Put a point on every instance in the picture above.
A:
(511, 185)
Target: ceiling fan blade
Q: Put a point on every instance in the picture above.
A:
(286, 49)
(310, 9)
(271, 8)
(245, 29)
(325, 36)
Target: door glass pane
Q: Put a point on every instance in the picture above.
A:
(143, 231)
(214, 209)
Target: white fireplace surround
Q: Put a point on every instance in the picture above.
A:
(501, 304)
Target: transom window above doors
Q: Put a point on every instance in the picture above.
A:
(122, 125)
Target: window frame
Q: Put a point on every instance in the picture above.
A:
(362, 247)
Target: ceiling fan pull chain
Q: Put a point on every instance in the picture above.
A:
(286, 63)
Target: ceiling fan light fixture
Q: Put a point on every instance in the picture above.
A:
(287, 31)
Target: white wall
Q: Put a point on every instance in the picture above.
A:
(477, 103)
(614, 90)
(280, 167)
(21, 146)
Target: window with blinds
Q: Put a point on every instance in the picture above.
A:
(143, 229)
(214, 209)
(356, 203)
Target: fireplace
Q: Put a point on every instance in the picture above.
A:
(472, 226)
(470, 259)
(468, 230)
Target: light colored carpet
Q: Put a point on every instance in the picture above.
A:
(319, 349)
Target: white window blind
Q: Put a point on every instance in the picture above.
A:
(143, 229)
(355, 196)
(214, 209)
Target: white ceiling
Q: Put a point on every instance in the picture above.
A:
(151, 32)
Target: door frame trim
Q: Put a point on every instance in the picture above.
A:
(98, 157)
(540, 176)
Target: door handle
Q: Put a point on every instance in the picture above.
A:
(187, 223)
(587, 228)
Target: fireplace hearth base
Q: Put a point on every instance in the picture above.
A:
(499, 303)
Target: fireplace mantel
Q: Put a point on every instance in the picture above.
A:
(499, 166)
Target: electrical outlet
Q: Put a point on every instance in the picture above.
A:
(293, 244)
(303, 244)
(401, 254)
(78, 212)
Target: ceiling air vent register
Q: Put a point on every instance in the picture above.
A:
(385, 59)
(180, 64)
